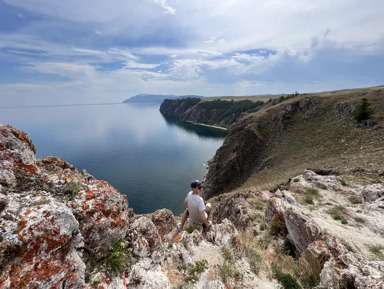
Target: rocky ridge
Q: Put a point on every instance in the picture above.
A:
(61, 228)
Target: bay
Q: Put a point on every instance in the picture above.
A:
(132, 146)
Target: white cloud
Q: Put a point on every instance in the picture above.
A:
(133, 64)
(125, 53)
(167, 8)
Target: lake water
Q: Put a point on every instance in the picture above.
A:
(132, 146)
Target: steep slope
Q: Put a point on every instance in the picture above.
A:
(315, 131)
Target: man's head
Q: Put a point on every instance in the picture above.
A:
(196, 185)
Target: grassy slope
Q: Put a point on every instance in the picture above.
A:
(314, 137)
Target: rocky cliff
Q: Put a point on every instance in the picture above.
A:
(61, 228)
(313, 131)
(222, 113)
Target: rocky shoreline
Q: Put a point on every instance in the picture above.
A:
(61, 228)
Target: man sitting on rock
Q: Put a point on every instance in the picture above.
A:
(197, 211)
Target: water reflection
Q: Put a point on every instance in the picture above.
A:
(201, 130)
(150, 159)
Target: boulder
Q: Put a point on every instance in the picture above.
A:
(352, 271)
(164, 221)
(373, 192)
(302, 230)
(145, 237)
(103, 215)
(276, 208)
(47, 256)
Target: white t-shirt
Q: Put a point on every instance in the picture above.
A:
(195, 206)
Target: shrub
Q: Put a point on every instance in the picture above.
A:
(286, 280)
(116, 260)
(376, 250)
(72, 188)
(360, 220)
(277, 228)
(337, 213)
(226, 272)
(255, 260)
(308, 200)
(296, 180)
(195, 270)
(364, 110)
(191, 228)
(343, 183)
(227, 253)
(289, 248)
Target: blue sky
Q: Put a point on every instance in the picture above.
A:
(97, 51)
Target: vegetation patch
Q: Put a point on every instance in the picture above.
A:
(337, 213)
(72, 189)
(226, 271)
(360, 220)
(227, 253)
(288, 248)
(277, 228)
(194, 270)
(343, 183)
(257, 204)
(255, 260)
(310, 195)
(285, 279)
(364, 110)
(191, 228)
(115, 261)
(377, 251)
(40, 203)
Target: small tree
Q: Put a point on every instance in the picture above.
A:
(364, 110)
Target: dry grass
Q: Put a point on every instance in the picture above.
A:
(318, 138)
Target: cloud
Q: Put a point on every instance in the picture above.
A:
(166, 7)
(96, 51)
(132, 64)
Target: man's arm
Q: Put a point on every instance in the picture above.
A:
(203, 218)
(186, 203)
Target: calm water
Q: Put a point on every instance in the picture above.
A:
(131, 146)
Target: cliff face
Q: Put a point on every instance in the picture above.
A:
(316, 131)
(214, 112)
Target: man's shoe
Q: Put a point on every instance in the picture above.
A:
(209, 225)
(178, 226)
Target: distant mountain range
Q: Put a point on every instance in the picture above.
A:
(154, 98)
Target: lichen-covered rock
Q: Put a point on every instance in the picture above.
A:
(275, 209)
(223, 233)
(47, 257)
(145, 237)
(237, 209)
(103, 215)
(17, 154)
(164, 221)
(319, 252)
(352, 271)
(302, 230)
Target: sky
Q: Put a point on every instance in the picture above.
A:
(105, 51)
